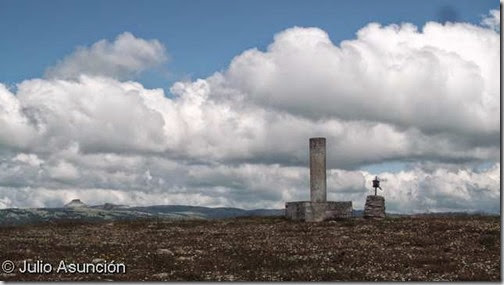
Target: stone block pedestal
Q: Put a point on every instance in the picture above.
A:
(318, 211)
(375, 207)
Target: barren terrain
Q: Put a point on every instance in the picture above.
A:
(254, 249)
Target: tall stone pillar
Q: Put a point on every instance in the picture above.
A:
(318, 170)
(318, 209)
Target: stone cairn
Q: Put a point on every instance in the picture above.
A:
(375, 204)
(375, 207)
(318, 208)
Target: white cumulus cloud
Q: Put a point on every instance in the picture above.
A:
(123, 58)
(441, 79)
(492, 20)
(428, 98)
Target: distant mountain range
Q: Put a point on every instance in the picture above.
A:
(78, 211)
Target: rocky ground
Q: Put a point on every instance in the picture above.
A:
(253, 249)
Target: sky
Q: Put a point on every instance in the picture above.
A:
(212, 103)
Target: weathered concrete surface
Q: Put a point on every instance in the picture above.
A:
(339, 209)
(318, 211)
(296, 210)
(375, 207)
(318, 170)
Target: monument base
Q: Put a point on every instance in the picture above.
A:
(375, 207)
(318, 211)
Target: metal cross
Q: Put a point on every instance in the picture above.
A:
(376, 184)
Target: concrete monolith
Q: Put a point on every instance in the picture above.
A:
(318, 170)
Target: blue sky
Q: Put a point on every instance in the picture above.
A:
(108, 119)
(201, 36)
